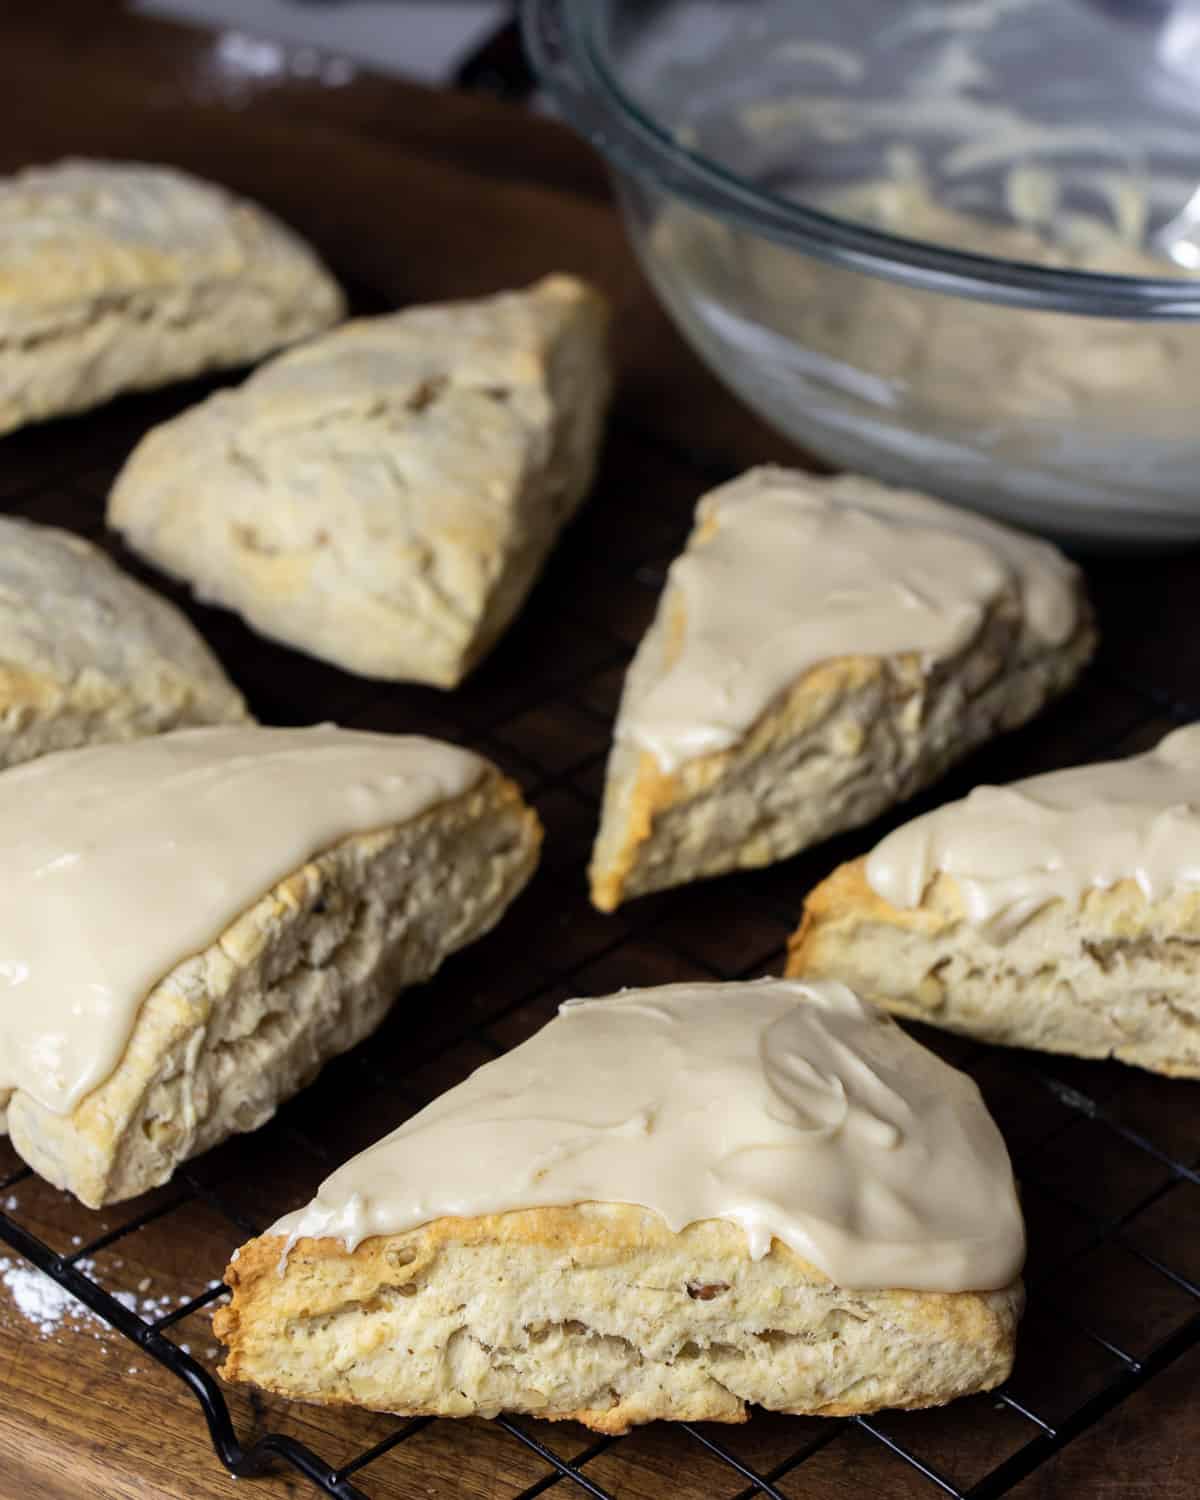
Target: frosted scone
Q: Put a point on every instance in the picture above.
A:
(89, 655)
(670, 1203)
(115, 276)
(823, 648)
(384, 498)
(193, 924)
(1061, 912)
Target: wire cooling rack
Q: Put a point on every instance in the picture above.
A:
(1108, 1157)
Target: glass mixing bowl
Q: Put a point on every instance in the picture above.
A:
(945, 242)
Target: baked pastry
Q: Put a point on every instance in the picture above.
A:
(89, 655)
(194, 923)
(1061, 912)
(384, 497)
(670, 1203)
(115, 276)
(823, 648)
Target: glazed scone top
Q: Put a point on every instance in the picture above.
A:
(77, 230)
(787, 570)
(67, 610)
(791, 1109)
(1013, 849)
(119, 861)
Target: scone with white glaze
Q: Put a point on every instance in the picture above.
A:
(115, 276)
(194, 923)
(1061, 913)
(384, 498)
(89, 655)
(669, 1203)
(823, 648)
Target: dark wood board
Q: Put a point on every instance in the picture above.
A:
(412, 195)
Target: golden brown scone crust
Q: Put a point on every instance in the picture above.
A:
(1117, 976)
(852, 737)
(116, 276)
(385, 496)
(597, 1314)
(88, 655)
(304, 974)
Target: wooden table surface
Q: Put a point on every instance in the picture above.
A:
(414, 195)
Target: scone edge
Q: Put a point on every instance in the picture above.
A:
(949, 1344)
(1115, 978)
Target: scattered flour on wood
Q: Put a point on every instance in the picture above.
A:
(36, 1297)
(47, 1306)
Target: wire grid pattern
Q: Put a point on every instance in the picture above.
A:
(1107, 1157)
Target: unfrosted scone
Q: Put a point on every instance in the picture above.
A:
(384, 498)
(1061, 913)
(115, 276)
(670, 1203)
(88, 655)
(195, 923)
(823, 649)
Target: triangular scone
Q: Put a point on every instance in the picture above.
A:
(669, 1203)
(115, 276)
(823, 648)
(196, 922)
(1061, 913)
(88, 655)
(384, 497)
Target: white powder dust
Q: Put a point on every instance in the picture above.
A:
(47, 1306)
(36, 1297)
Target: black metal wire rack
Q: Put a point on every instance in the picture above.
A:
(1107, 1156)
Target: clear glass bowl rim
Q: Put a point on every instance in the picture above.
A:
(564, 45)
